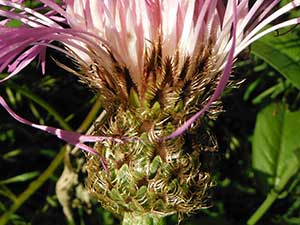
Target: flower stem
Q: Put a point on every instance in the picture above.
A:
(272, 196)
(142, 219)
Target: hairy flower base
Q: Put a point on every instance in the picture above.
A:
(153, 175)
(158, 177)
(149, 174)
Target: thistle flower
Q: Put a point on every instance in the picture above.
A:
(160, 66)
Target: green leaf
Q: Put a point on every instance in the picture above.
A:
(282, 53)
(11, 154)
(272, 92)
(6, 192)
(276, 145)
(21, 178)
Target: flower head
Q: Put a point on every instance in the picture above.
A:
(124, 46)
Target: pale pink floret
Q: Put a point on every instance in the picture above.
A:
(127, 28)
